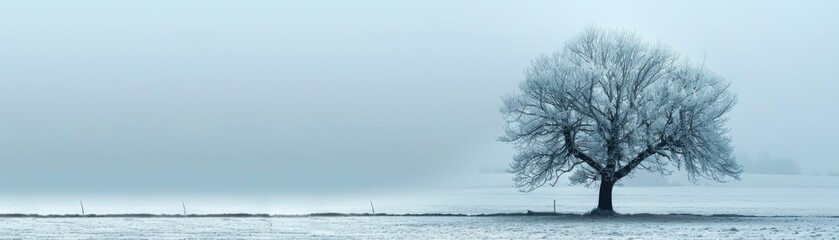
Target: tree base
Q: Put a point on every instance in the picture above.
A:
(602, 213)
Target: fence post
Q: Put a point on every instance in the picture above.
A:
(371, 207)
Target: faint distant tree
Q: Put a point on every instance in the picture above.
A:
(609, 103)
(764, 164)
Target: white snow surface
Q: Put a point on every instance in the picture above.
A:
(389, 227)
(794, 207)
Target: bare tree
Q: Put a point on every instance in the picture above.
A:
(609, 103)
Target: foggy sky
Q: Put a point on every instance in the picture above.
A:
(110, 96)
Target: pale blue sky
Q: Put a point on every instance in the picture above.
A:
(110, 96)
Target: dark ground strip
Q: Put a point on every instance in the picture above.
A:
(330, 214)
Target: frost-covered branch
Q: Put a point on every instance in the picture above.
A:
(607, 103)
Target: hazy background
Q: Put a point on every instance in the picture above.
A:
(259, 96)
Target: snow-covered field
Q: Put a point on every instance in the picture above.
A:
(389, 227)
(774, 207)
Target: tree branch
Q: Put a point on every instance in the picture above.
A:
(651, 150)
(569, 144)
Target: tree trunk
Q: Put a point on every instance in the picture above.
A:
(605, 201)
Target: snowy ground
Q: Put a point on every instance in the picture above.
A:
(389, 227)
(782, 207)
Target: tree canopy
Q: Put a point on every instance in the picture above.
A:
(610, 102)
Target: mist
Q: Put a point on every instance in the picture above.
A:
(264, 96)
